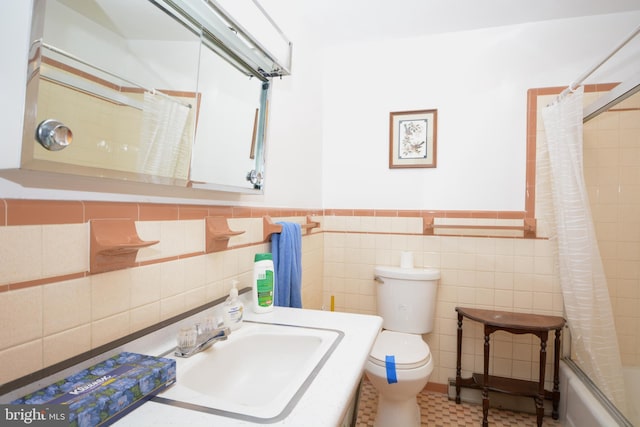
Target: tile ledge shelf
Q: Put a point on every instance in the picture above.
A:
(114, 245)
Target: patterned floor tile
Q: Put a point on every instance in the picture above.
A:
(438, 411)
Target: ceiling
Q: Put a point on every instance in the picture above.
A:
(351, 20)
(131, 19)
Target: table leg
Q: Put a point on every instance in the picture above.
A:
(485, 386)
(556, 377)
(543, 360)
(459, 359)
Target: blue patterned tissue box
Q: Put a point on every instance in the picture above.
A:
(103, 393)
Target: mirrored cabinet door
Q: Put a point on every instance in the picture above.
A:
(126, 92)
(159, 91)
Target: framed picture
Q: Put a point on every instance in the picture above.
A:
(413, 139)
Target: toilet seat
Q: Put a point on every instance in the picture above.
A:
(409, 350)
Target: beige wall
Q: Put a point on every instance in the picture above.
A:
(612, 173)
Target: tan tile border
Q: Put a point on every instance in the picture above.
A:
(422, 213)
(109, 210)
(3, 213)
(43, 281)
(47, 212)
(41, 212)
(14, 212)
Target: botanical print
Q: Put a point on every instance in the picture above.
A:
(413, 139)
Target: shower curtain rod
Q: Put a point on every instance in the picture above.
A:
(574, 85)
(150, 90)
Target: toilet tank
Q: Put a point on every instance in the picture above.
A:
(407, 298)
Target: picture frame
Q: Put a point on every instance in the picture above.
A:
(413, 137)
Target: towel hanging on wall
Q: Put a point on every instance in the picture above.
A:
(287, 262)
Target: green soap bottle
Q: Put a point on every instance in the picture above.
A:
(263, 283)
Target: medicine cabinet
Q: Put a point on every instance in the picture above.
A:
(169, 92)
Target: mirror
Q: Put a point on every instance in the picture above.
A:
(240, 138)
(146, 91)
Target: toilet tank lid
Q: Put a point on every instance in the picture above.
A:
(407, 273)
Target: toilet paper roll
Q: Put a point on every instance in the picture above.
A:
(406, 260)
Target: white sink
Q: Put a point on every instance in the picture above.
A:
(257, 374)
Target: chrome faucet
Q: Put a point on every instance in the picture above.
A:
(198, 340)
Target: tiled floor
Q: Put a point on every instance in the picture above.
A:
(438, 411)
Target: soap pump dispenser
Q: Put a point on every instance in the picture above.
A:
(233, 309)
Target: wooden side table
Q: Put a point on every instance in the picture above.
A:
(515, 323)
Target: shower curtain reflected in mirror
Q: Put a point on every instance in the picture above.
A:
(568, 214)
(165, 146)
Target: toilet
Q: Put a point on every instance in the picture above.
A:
(400, 362)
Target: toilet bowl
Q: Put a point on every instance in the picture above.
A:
(400, 362)
(399, 367)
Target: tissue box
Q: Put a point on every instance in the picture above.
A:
(103, 393)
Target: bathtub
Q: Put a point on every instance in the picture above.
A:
(632, 386)
(582, 405)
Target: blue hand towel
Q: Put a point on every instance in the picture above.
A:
(287, 262)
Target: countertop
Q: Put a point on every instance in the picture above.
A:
(326, 400)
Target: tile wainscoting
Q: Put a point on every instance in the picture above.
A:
(53, 309)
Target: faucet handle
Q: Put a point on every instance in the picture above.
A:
(187, 338)
(210, 325)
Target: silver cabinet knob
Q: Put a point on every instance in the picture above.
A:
(53, 135)
(255, 178)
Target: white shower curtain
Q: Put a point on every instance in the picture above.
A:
(165, 148)
(584, 286)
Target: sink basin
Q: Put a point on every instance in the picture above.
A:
(257, 374)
